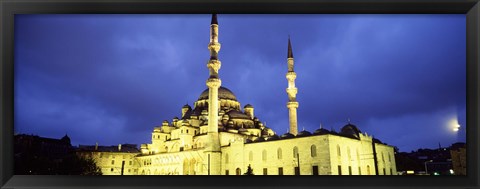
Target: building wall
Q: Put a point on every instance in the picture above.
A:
(328, 153)
(110, 163)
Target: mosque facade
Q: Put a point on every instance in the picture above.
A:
(217, 136)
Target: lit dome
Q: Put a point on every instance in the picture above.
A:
(223, 93)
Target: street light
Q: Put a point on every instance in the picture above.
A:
(426, 170)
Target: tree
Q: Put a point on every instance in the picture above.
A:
(249, 170)
(79, 165)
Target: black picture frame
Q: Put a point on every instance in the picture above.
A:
(11, 7)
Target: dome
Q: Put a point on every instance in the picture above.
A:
(304, 133)
(223, 93)
(287, 135)
(350, 130)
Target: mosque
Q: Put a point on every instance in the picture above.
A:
(217, 137)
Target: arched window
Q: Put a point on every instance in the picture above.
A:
(264, 155)
(226, 158)
(295, 152)
(313, 151)
(368, 169)
(238, 171)
(279, 153)
(338, 151)
(250, 156)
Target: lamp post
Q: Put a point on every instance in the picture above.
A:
(426, 170)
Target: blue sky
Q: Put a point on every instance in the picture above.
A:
(111, 78)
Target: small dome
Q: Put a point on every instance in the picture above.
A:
(287, 135)
(321, 131)
(248, 106)
(273, 137)
(223, 93)
(351, 131)
(187, 106)
(304, 133)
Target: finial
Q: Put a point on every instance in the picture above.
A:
(214, 19)
(303, 128)
(290, 53)
(320, 125)
(348, 120)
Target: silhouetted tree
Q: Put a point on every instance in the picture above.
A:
(249, 170)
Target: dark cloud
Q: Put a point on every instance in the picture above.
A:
(112, 78)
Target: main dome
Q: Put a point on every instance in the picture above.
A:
(223, 93)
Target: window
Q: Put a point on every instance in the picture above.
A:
(264, 155)
(265, 171)
(349, 170)
(384, 171)
(314, 170)
(226, 158)
(295, 152)
(297, 170)
(130, 163)
(313, 151)
(391, 172)
(339, 170)
(280, 171)
(250, 156)
(226, 172)
(389, 159)
(338, 151)
(113, 162)
(111, 170)
(368, 169)
(383, 158)
(359, 170)
(187, 130)
(238, 171)
(279, 153)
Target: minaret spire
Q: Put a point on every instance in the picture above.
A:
(292, 103)
(290, 53)
(212, 151)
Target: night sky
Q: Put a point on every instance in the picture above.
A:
(111, 78)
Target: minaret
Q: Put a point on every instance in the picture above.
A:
(292, 103)
(213, 153)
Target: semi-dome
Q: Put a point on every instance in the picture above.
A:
(235, 114)
(223, 93)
